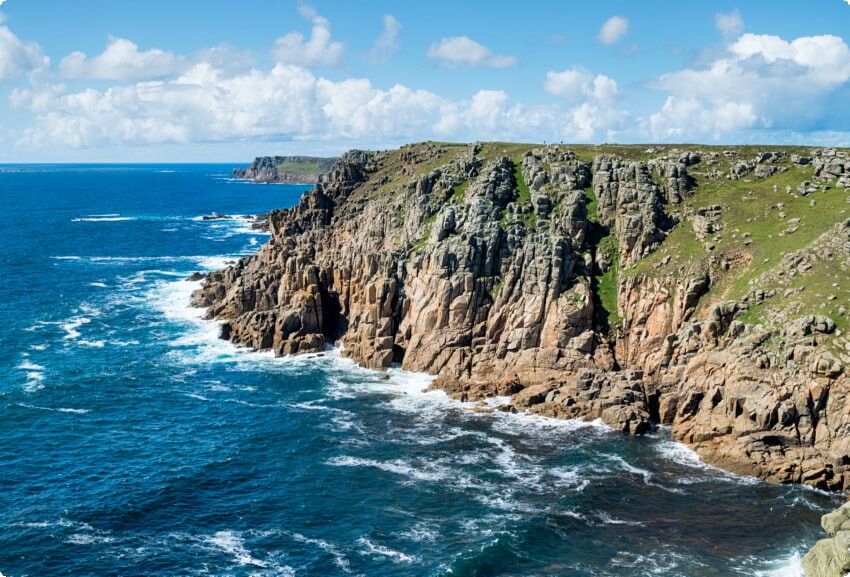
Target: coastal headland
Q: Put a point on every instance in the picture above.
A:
(700, 287)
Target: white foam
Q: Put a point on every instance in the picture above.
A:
(38, 347)
(684, 455)
(28, 366)
(106, 219)
(232, 544)
(398, 467)
(98, 284)
(372, 549)
(70, 327)
(88, 539)
(57, 410)
(339, 558)
(609, 520)
(629, 468)
(421, 532)
(34, 382)
(94, 344)
(789, 567)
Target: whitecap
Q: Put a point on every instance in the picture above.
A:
(103, 219)
(234, 545)
(398, 467)
(94, 344)
(339, 558)
(607, 519)
(373, 549)
(57, 410)
(70, 327)
(88, 539)
(28, 366)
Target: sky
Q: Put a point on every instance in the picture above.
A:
(217, 81)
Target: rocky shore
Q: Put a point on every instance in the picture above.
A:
(831, 557)
(697, 287)
(285, 169)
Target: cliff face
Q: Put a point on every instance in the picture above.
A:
(615, 283)
(285, 169)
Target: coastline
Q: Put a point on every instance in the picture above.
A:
(487, 270)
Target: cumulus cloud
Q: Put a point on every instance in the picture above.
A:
(613, 30)
(207, 105)
(387, 43)
(18, 57)
(122, 60)
(317, 51)
(760, 81)
(729, 23)
(577, 83)
(463, 51)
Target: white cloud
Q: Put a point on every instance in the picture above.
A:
(122, 60)
(613, 30)
(577, 84)
(729, 23)
(206, 105)
(761, 81)
(387, 43)
(316, 52)
(18, 57)
(463, 51)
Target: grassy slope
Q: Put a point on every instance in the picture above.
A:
(315, 166)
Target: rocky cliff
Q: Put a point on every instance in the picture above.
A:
(285, 169)
(830, 557)
(696, 287)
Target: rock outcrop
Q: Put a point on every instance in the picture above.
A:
(831, 557)
(579, 286)
(285, 169)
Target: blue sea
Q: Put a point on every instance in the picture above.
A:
(134, 442)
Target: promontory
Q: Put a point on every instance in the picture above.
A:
(700, 287)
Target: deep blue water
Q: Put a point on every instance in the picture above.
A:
(135, 443)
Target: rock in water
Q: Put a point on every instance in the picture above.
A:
(831, 557)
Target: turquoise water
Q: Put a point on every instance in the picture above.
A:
(135, 442)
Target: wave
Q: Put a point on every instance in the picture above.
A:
(28, 366)
(339, 558)
(233, 544)
(103, 219)
(370, 548)
(56, 410)
(70, 327)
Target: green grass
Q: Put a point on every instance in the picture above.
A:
(523, 195)
(497, 288)
(592, 204)
(523, 198)
(457, 194)
(316, 166)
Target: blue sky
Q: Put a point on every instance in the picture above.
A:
(118, 81)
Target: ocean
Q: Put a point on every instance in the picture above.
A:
(134, 442)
